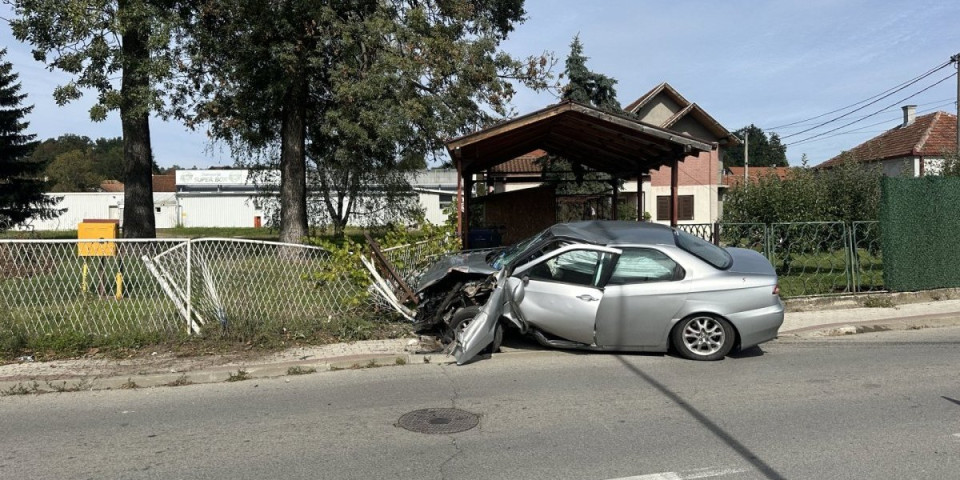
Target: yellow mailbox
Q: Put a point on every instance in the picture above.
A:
(97, 230)
(104, 231)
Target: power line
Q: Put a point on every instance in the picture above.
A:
(899, 86)
(871, 102)
(939, 102)
(874, 113)
(863, 128)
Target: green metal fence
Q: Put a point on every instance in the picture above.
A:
(811, 258)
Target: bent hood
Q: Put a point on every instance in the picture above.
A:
(468, 262)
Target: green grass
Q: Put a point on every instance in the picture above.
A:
(39, 235)
(826, 273)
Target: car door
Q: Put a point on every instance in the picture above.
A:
(645, 291)
(560, 293)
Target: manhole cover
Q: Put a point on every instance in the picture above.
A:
(438, 420)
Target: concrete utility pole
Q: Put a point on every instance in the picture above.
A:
(746, 158)
(956, 61)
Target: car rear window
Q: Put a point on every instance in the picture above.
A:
(704, 250)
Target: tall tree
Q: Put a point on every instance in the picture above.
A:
(363, 88)
(77, 164)
(765, 150)
(21, 188)
(571, 178)
(586, 86)
(94, 40)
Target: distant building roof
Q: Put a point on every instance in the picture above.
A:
(161, 184)
(111, 186)
(687, 108)
(526, 163)
(930, 135)
(734, 175)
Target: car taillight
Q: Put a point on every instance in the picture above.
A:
(776, 289)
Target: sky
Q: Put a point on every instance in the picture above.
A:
(767, 63)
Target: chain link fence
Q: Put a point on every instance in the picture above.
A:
(169, 287)
(174, 287)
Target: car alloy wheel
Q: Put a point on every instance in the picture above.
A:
(703, 337)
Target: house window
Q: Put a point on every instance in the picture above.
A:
(684, 204)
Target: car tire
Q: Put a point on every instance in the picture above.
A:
(461, 319)
(703, 337)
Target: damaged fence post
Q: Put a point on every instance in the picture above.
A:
(189, 295)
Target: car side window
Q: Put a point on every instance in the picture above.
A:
(643, 265)
(578, 267)
(543, 251)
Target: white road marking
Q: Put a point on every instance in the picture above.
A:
(957, 436)
(689, 474)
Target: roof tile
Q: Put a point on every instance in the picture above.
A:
(929, 135)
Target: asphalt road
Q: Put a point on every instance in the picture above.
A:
(875, 406)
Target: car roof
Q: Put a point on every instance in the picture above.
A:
(609, 232)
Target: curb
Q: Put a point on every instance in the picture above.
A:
(38, 384)
(915, 322)
(61, 383)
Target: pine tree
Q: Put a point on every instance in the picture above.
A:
(588, 87)
(21, 188)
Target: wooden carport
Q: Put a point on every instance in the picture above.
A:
(614, 144)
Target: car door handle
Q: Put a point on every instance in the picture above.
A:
(587, 298)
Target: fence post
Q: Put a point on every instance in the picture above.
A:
(716, 233)
(848, 260)
(189, 289)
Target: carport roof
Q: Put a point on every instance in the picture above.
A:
(615, 144)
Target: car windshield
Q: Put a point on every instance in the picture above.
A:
(704, 250)
(511, 253)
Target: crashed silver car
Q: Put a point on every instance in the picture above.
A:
(607, 286)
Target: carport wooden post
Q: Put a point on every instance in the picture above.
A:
(674, 199)
(616, 199)
(640, 197)
(468, 184)
(458, 162)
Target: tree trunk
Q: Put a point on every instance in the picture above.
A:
(293, 165)
(138, 215)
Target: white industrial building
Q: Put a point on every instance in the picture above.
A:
(221, 198)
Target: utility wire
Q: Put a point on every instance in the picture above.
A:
(900, 86)
(874, 113)
(939, 102)
(834, 119)
(863, 128)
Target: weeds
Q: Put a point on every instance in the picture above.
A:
(240, 376)
(298, 370)
(82, 384)
(401, 361)
(129, 384)
(180, 381)
(879, 302)
(21, 389)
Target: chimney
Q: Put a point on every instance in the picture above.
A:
(909, 115)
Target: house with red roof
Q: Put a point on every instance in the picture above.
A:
(733, 176)
(914, 148)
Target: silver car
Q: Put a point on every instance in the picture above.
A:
(608, 286)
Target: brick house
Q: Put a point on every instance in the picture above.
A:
(700, 177)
